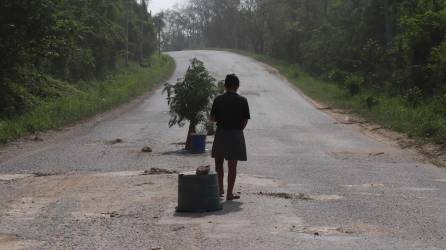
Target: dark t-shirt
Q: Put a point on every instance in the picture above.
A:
(230, 110)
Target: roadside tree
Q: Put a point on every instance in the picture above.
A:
(190, 98)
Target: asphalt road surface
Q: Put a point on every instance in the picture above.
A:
(310, 182)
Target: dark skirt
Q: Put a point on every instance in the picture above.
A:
(229, 144)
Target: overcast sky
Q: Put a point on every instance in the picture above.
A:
(158, 5)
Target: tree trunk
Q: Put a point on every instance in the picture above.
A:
(127, 32)
(387, 27)
(325, 8)
(189, 136)
(159, 42)
(141, 45)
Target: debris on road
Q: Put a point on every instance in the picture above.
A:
(155, 171)
(43, 174)
(325, 108)
(115, 141)
(178, 228)
(111, 214)
(302, 196)
(146, 149)
(376, 154)
(345, 230)
(37, 138)
(299, 196)
(142, 184)
(203, 170)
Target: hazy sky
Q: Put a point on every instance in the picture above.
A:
(158, 5)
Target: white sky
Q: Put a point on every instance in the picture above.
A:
(158, 5)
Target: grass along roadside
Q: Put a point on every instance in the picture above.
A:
(95, 97)
(423, 123)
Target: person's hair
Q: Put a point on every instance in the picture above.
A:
(232, 81)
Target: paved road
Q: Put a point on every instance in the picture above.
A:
(310, 182)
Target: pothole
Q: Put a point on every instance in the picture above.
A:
(156, 171)
(345, 155)
(322, 230)
(353, 229)
(114, 141)
(301, 196)
(103, 215)
(43, 174)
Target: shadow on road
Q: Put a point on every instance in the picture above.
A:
(228, 207)
(183, 152)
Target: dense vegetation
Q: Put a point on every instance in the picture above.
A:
(57, 52)
(377, 50)
(46, 43)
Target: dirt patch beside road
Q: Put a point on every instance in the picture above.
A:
(427, 152)
(43, 204)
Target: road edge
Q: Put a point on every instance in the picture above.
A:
(424, 152)
(34, 143)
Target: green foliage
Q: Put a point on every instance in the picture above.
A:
(353, 84)
(414, 96)
(393, 45)
(44, 42)
(337, 75)
(221, 87)
(370, 51)
(190, 98)
(294, 71)
(370, 102)
(68, 104)
(425, 122)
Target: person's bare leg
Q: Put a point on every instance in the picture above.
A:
(220, 173)
(232, 174)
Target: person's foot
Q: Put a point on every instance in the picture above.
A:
(222, 194)
(231, 197)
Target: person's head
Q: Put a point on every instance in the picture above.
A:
(232, 83)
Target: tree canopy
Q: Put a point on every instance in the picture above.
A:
(44, 42)
(394, 46)
(190, 98)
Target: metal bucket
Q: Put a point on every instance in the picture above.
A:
(198, 193)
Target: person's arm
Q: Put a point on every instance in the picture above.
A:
(213, 114)
(244, 123)
(246, 114)
(213, 118)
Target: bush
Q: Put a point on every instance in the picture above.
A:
(353, 84)
(337, 75)
(74, 104)
(370, 102)
(414, 97)
(189, 99)
(294, 71)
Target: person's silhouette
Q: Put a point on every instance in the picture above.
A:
(231, 112)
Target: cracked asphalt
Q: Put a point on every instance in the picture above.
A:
(310, 182)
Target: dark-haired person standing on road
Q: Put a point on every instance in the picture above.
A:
(231, 112)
